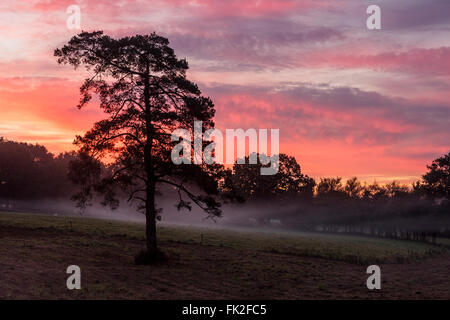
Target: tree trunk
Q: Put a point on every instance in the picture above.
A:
(150, 221)
(150, 209)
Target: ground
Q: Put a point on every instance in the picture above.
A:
(35, 251)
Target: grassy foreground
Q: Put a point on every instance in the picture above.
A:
(209, 263)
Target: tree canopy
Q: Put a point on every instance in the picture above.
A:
(288, 183)
(436, 182)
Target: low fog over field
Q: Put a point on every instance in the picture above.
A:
(34, 180)
(263, 216)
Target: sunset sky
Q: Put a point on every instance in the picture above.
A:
(348, 101)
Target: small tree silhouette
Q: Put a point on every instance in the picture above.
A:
(287, 184)
(436, 182)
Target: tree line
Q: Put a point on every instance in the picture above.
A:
(420, 211)
(291, 183)
(31, 172)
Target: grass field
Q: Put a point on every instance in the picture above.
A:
(209, 263)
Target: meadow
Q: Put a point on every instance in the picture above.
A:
(209, 263)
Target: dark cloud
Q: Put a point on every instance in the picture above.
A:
(253, 43)
(415, 13)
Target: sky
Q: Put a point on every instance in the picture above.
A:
(348, 101)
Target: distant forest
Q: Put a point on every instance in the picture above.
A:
(421, 211)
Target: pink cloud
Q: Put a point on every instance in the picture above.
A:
(249, 8)
(434, 61)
